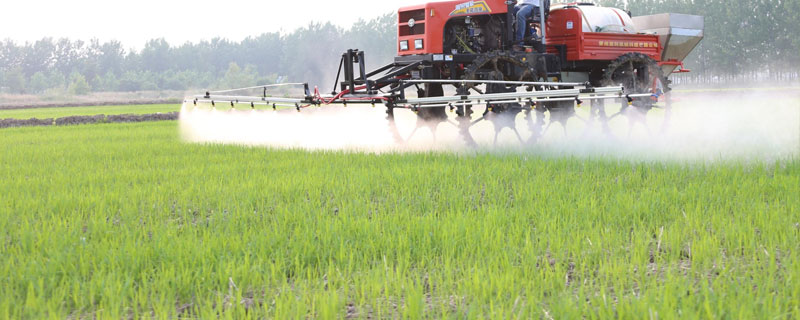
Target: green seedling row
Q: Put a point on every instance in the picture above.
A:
(118, 221)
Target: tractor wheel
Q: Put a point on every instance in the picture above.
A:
(429, 118)
(637, 73)
(501, 66)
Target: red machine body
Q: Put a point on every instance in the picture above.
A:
(566, 27)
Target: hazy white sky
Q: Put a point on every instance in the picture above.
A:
(135, 21)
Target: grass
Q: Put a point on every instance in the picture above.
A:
(125, 220)
(43, 113)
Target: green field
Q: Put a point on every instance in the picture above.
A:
(126, 221)
(44, 113)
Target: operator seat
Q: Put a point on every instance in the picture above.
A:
(545, 8)
(530, 33)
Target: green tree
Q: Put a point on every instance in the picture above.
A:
(68, 55)
(14, 80)
(111, 57)
(157, 55)
(78, 84)
(38, 83)
(10, 55)
(56, 80)
(312, 53)
(376, 38)
(107, 82)
(236, 77)
(130, 81)
(38, 57)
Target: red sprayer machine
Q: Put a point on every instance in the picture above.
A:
(572, 54)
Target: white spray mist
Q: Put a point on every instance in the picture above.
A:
(706, 127)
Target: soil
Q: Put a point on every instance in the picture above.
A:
(78, 120)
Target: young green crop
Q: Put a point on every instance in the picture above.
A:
(44, 113)
(127, 221)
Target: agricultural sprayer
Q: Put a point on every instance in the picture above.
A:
(458, 64)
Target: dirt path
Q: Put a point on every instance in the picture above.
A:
(89, 104)
(79, 120)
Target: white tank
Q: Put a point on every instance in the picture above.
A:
(602, 19)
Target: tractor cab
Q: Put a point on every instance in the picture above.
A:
(444, 26)
(465, 27)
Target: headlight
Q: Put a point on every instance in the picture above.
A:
(404, 45)
(418, 44)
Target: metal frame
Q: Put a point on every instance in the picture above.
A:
(363, 90)
(395, 100)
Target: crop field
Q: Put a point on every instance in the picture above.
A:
(59, 112)
(129, 221)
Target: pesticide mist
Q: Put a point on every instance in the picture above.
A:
(709, 126)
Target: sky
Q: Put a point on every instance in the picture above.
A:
(178, 21)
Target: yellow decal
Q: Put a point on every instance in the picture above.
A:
(627, 44)
(471, 7)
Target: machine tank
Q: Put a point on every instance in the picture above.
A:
(678, 33)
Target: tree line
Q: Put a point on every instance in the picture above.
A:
(743, 41)
(310, 54)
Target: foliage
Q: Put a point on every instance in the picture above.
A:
(38, 83)
(78, 84)
(235, 77)
(107, 82)
(14, 80)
